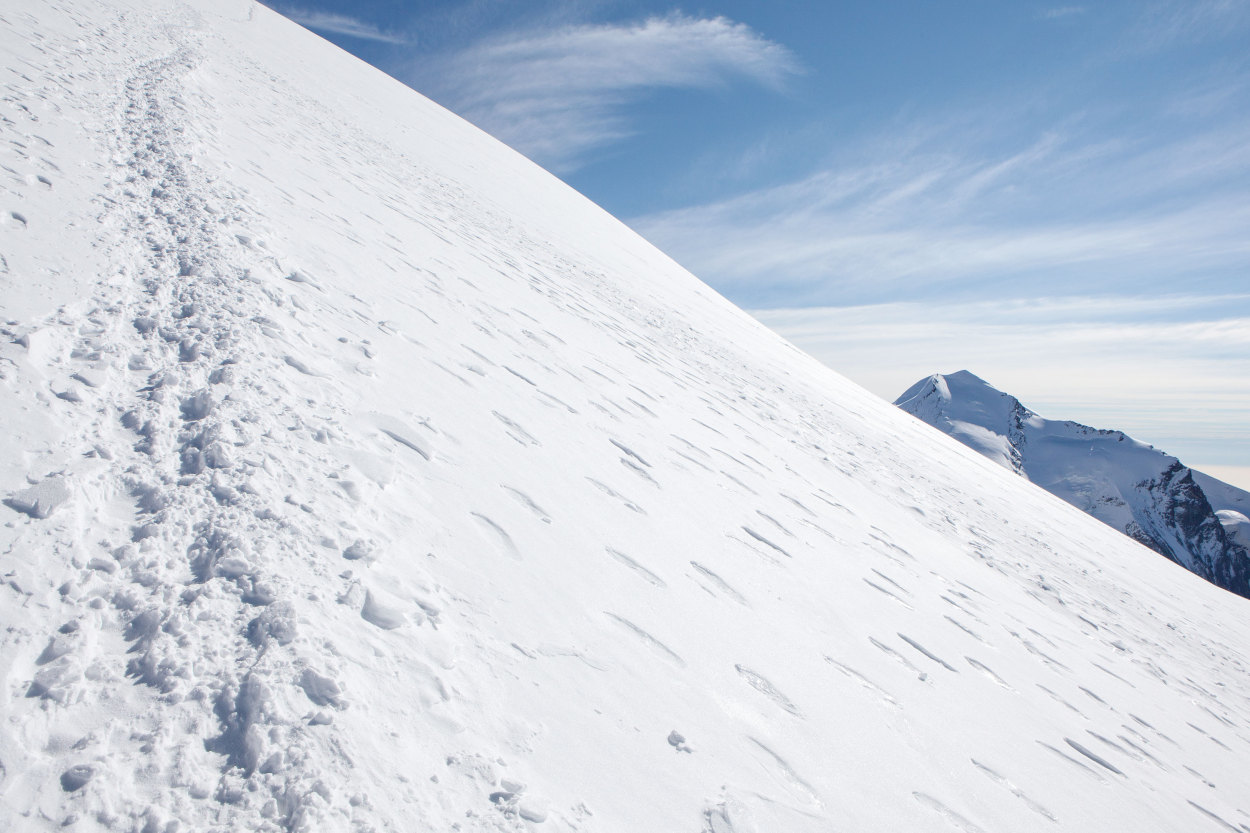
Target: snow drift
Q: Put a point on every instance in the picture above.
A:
(362, 476)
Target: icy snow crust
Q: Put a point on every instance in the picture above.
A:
(361, 476)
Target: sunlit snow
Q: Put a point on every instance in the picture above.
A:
(359, 475)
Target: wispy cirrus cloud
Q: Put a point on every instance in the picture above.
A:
(931, 214)
(1168, 23)
(1060, 12)
(556, 94)
(339, 24)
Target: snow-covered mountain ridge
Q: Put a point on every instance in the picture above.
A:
(359, 475)
(1192, 518)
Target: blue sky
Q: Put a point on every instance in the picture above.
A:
(1056, 197)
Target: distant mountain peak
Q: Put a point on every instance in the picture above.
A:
(1148, 495)
(965, 406)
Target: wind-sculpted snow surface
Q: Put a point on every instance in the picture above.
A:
(1150, 496)
(358, 475)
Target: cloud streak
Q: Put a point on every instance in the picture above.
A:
(339, 24)
(1061, 12)
(933, 213)
(554, 95)
(1168, 23)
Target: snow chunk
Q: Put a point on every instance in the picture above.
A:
(322, 690)
(42, 499)
(379, 614)
(359, 550)
(197, 406)
(532, 810)
(277, 622)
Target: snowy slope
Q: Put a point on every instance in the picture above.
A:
(361, 476)
(1190, 517)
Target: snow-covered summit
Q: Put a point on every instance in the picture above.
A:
(966, 407)
(1188, 516)
(361, 476)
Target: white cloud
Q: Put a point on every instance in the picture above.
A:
(554, 95)
(914, 215)
(1060, 12)
(339, 24)
(1167, 23)
(1171, 370)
